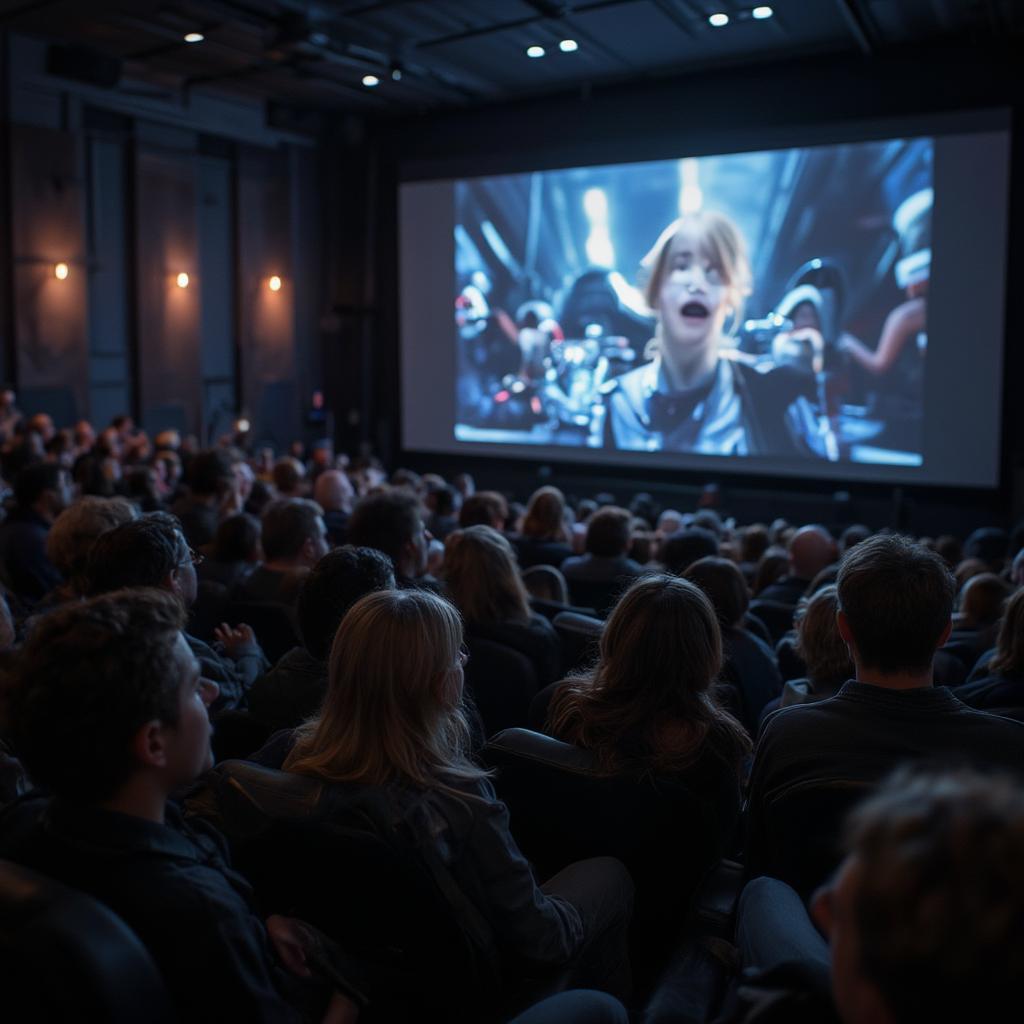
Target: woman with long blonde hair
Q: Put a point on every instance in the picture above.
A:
(483, 581)
(392, 726)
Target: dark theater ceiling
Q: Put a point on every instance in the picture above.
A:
(443, 53)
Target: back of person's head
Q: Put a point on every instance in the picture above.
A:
(949, 549)
(1009, 657)
(771, 567)
(926, 912)
(852, 536)
(818, 641)
(811, 550)
(291, 526)
(989, 544)
(140, 553)
(333, 585)
(333, 490)
(409, 480)
(966, 570)
(288, 474)
(608, 532)
(90, 676)
(210, 473)
(237, 539)
(484, 508)
(684, 547)
(982, 599)
(660, 652)
(75, 531)
(545, 515)
(446, 500)
(482, 576)
(585, 508)
(753, 542)
(708, 519)
(896, 597)
(34, 480)
(725, 587)
(387, 521)
(393, 707)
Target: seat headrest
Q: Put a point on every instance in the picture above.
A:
(544, 749)
(579, 623)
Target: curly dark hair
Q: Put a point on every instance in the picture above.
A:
(89, 676)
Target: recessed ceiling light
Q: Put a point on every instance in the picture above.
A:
(568, 46)
(762, 12)
(719, 20)
(535, 51)
(194, 37)
(370, 81)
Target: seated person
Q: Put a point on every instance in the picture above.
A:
(811, 550)
(72, 536)
(443, 501)
(334, 493)
(393, 725)
(895, 601)
(152, 552)
(392, 521)
(484, 508)
(681, 549)
(483, 582)
(236, 551)
(294, 540)
(976, 625)
(294, 688)
(821, 648)
(648, 705)
(41, 493)
(749, 663)
(1001, 685)
(212, 494)
(108, 716)
(543, 537)
(922, 917)
(597, 577)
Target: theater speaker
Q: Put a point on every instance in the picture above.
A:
(83, 65)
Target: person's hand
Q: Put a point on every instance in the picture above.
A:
(234, 639)
(289, 938)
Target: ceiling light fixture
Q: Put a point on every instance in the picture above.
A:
(762, 12)
(370, 81)
(718, 20)
(396, 73)
(568, 46)
(194, 37)
(535, 51)
(61, 271)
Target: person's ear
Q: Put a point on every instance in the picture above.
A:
(843, 625)
(308, 551)
(149, 744)
(945, 635)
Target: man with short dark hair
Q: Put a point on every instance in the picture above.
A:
(391, 521)
(294, 539)
(294, 688)
(107, 715)
(895, 600)
(152, 552)
(484, 508)
(596, 577)
(41, 493)
(212, 494)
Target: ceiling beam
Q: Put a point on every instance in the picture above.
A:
(856, 23)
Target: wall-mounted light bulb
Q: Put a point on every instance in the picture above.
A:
(182, 280)
(61, 271)
(274, 284)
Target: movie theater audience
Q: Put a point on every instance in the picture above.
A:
(392, 521)
(895, 606)
(212, 494)
(543, 537)
(998, 681)
(109, 717)
(597, 577)
(810, 550)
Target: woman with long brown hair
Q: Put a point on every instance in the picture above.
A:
(543, 537)
(998, 681)
(392, 726)
(648, 704)
(483, 581)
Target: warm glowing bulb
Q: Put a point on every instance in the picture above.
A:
(274, 283)
(182, 280)
(61, 271)
(370, 81)
(194, 37)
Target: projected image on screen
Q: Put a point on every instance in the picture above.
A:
(760, 304)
